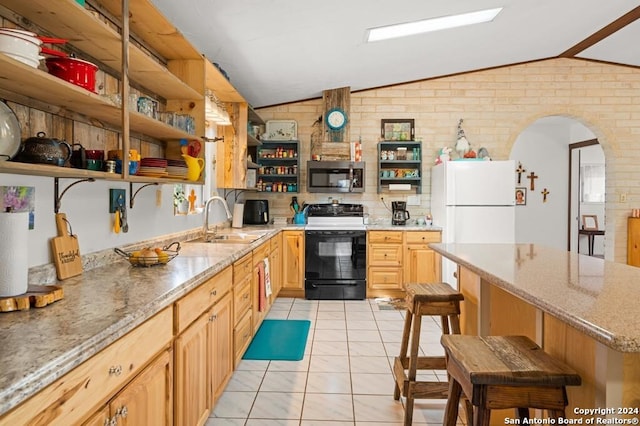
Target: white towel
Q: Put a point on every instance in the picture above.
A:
(267, 277)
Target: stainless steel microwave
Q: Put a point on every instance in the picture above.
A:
(335, 176)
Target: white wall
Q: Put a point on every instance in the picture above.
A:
(543, 149)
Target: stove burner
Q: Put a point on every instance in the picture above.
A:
(335, 209)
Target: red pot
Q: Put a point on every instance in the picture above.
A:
(75, 71)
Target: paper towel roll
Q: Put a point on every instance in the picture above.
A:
(238, 212)
(14, 267)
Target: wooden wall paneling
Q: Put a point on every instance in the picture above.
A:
(511, 315)
(40, 121)
(630, 390)
(469, 286)
(329, 148)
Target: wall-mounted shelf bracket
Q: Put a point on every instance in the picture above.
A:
(57, 199)
(132, 195)
(216, 139)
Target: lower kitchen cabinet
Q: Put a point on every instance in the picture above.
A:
(292, 264)
(259, 308)
(421, 264)
(203, 349)
(117, 370)
(384, 264)
(148, 399)
(242, 308)
(275, 262)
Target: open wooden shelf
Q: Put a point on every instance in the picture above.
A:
(67, 19)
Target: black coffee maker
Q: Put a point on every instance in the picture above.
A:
(399, 212)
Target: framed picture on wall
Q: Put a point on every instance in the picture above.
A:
(521, 196)
(397, 130)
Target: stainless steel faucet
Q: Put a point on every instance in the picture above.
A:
(205, 227)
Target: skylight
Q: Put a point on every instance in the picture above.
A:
(431, 24)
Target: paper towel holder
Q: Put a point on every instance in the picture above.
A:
(57, 199)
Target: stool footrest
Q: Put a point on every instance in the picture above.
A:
(418, 389)
(425, 362)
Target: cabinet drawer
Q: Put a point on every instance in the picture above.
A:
(422, 237)
(385, 254)
(242, 268)
(385, 237)
(242, 337)
(199, 300)
(71, 398)
(385, 278)
(261, 252)
(241, 299)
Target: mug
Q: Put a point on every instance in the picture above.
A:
(93, 164)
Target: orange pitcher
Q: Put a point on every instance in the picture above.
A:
(194, 166)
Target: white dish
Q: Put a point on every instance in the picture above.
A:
(9, 133)
(281, 130)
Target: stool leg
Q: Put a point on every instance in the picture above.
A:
(413, 366)
(455, 324)
(556, 414)
(523, 413)
(444, 320)
(451, 410)
(482, 416)
(403, 348)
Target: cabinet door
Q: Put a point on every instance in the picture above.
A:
(191, 363)
(232, 154)
(220, 346)
(148, 399)
(275, 261)
(633, 241)
(101, 418)
(293, 261)
(420, 265)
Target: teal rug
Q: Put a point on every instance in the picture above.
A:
(282, 340)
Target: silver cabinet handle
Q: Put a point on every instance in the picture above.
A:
(122, 412)
(115, 370)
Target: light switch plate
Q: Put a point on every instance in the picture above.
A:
(117, 197)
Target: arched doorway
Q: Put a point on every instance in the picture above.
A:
(549, 216)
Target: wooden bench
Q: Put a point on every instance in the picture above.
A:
(497, 372)
(436, 299)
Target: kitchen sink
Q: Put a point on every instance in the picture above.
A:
(235, 237)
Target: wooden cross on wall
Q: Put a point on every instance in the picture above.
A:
(531, 177)
(520, 170)
(544, 193)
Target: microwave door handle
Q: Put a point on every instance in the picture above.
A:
(350, 179)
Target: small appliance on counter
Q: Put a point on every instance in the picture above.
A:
(399, 213)
(256, 212)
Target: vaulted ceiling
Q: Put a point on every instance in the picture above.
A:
(280, 51)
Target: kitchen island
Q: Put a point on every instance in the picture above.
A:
(580, 309)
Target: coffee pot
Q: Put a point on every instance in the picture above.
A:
(399, 214)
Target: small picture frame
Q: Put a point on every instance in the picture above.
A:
(521, 196)
(590, 222)
(397, 129)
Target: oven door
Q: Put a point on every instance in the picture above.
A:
(335, 264)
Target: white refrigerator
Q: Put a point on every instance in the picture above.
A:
(473, 202)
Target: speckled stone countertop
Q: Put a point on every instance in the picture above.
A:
(99, 306)
(598, 297)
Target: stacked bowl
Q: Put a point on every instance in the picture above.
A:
(23, 46)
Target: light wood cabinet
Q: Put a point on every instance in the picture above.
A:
(148, 399)
(97, 379)
(421, 264)
(221, 346)
(292, 264)
(201, 345)
(633, 241)
(275, 261)
(242, 305)
(384, 264)
(395, 258)
(259, 309)
(242, 335)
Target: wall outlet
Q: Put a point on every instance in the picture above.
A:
(413, 200)
(117, 197)
(158, 197)
(623, 197)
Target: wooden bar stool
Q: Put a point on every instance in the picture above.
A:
(435, 299)
(497, 372)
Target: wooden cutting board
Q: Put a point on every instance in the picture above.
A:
(66, 251)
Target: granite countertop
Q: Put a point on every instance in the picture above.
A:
(100, 306)
(598, 297)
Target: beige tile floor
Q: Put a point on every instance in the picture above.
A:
(345, 377)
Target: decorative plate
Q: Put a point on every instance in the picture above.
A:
(9, 133)
(282, 130)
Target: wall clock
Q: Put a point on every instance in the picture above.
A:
(336, 119)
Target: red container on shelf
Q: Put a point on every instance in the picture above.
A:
(75, 71)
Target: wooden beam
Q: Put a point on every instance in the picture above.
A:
(603, 33)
